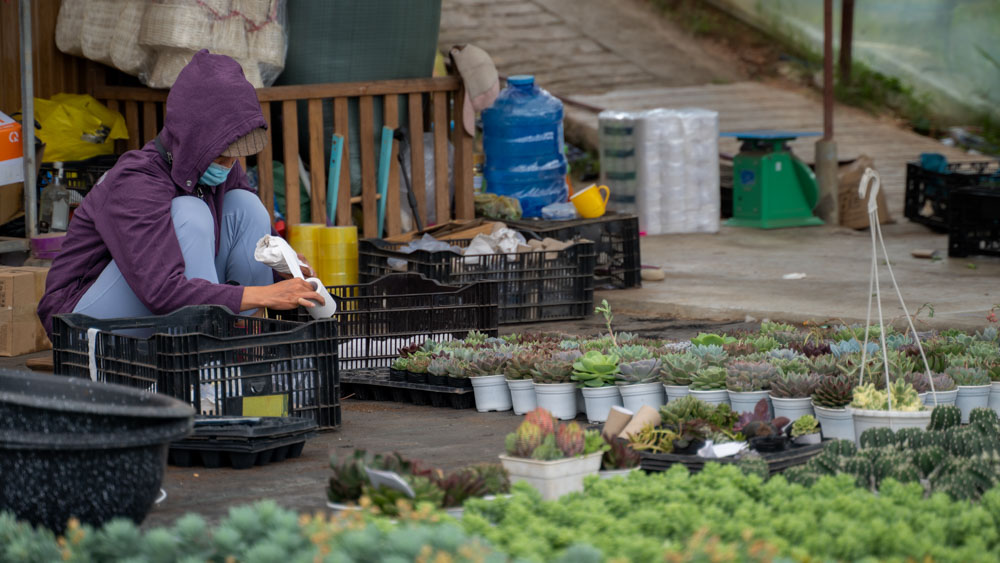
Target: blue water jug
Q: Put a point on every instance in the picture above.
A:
(523, 142)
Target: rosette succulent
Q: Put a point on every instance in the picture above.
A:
(834, 392)
(968, 376)
(709, 378)
(749, 376)
(641, 371)
(552, 371)
(904, 397)
(679, 368)
(711, 355)
(595, 369)
(633, 352)
(794, 385)
(520, 365)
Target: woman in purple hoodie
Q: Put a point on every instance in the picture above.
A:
(176, 223)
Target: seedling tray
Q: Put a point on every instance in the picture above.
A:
(375, 385)
(242, 442)
(776, 462)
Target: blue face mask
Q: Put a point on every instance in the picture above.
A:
(215, 175)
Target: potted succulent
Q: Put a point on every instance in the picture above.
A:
(619, 459)
(805, 431)
(677, 371)
(398, 369)
(417, 370)
(749, 382)
(522, 388)
(639, 384)
(829, 400)
(553, 457)
(458, 374)
(764, 433)
(945, 391)
(595, 373)
(791, 394)
(437, 370)
(486, 371)
(973, 388)
(709, 385)
(555, 392)
(870, 408)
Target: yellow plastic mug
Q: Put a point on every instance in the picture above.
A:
(588, 201)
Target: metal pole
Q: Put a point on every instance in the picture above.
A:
(827, 70)
(846, 40)
(28, 120)
(826, 148)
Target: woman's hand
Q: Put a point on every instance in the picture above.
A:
(283, 295)
(307, 270)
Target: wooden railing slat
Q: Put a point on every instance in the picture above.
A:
(462, 141)
(132, 124)
(265, 166)
(341, 126)
(149, 128)
(317, 165)
(290, 139)
(416, 140)
(391, 117)
(368, 170)
(442, 203)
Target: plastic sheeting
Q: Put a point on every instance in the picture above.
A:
(946, 49)
(663, 165)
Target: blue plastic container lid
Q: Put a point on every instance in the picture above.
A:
(521, 80)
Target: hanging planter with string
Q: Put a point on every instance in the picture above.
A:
(899, 405)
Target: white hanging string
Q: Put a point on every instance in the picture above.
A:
(871, 178)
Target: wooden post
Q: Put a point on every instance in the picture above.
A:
(827, 70)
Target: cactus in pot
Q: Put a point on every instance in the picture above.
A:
(640, 371)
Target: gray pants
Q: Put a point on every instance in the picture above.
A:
(244, 222)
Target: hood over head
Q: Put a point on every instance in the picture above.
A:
(210, 105)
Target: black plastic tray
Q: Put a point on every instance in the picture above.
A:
(242, 442)
(375, 385)
(777, 462)
(188, 455)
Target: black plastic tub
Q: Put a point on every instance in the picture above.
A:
(72, 447)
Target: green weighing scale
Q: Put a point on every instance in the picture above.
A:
(771, 188)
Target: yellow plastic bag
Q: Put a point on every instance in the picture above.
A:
(77, 127)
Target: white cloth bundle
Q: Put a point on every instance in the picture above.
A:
(125, 51)
(69, 26)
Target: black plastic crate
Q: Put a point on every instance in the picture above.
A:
(927, 192)
(531, 286)
(242, 442)
(974, 222)
(376, 319)
(375, 385)
(616, 244)
(218, 362)
(80, 175)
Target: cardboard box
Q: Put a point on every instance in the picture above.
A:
(11, 202)
(21, 330)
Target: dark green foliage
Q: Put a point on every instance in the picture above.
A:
(944, 417)
(754, 464)
(905, 473)
(927, 459)
(861, 469)
(911, 438)
(841, 447)
(983, 417)
(877, 438)
(825, 463)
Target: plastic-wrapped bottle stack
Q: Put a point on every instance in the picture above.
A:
(523, 142)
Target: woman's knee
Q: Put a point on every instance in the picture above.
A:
(192, 218)
(248, 208)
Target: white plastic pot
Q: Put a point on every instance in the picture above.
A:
(995, 396)
(835, 423)
(557, 398)
(746, 401)
(971, 397)
(492, 393)
(635, 396)
(865, 419)
(675, 392)
(943, 398)
(808, 439)
(714, 397)
(599, 401)
(612, 473)
(792, 408)
(553, 479)
(522, 395)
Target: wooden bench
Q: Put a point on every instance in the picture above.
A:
(441, 99)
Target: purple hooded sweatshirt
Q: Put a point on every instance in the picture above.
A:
(127, 216)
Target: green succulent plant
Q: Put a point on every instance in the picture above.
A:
(679, 368)
(640, 371)
(968, 376)
(709, 378)
(707, 339)
(595, 369)
(749, 376)
(794, 385)
(904, 397)
(520, 365)
(552, 371)
(805, 424)
(632, 353)
(711, 355)
(833, 392)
